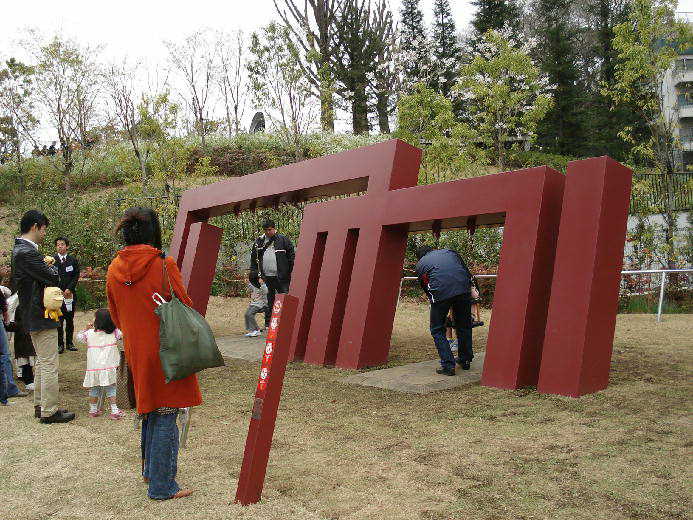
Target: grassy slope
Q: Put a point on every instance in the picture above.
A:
(347, 452)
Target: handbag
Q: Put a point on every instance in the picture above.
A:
(186, 342)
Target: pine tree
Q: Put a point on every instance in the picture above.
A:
(414, 56)
(561, 130)
(446, 49)
(495, 15)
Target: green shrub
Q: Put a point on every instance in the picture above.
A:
(531, 159)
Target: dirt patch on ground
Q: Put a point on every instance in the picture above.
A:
(348, 452)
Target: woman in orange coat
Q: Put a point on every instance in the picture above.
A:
(133, 276)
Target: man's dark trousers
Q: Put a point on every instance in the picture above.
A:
(68, 320)
(462, 311)
(274, 287)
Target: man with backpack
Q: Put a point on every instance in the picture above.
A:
(446, 281)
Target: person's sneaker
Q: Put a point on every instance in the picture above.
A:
(72, 348)
(253, 334)
(120, 414)
(464, 364)
(446, 371)
(61, 416)
(97, 413)
(8, 403)
(29, 387)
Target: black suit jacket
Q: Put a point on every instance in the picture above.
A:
(31, 276)
(69, 272)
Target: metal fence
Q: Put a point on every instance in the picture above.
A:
(662, 284)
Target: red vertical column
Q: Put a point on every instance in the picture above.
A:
(304, 281)
(584, 295)
(328, 311)
(199, 265)
(372, 298)
(520, 302)
(266, 403)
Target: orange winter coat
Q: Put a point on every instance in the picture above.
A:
(133, 276)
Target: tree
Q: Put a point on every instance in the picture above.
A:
(146, 123)
(597, 58)
(231, 79)
(415, 53)
(385, 77)
(647, 45)
(555, 52)
(495, 15)
(425, 119)
(505, 94)
(278, 83)
(17, 120)
(447, 53)
(313, 30)
(360, 34)
(194, 61)
(66, 88)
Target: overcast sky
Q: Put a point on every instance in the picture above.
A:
(136, 28)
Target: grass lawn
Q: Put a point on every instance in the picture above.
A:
(348, 452)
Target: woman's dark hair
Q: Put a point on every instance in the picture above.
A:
(103, 321)
(423, 251)
(140, 226)
(31, 217)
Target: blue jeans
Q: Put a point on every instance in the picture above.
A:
(160, 454)
(462, 310)
(7, 375)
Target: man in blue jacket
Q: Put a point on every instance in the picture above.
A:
(446, 280)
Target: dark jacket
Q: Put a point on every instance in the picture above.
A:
(283, 251)
(30, 276)
(443, 274)
(68, 271)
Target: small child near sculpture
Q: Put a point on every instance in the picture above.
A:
(103, 359)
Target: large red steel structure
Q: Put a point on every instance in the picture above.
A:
(555, 303)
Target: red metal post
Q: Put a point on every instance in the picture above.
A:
(584, 297)
(267, 396)
(198, 269)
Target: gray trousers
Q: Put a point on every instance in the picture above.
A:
(250, 323)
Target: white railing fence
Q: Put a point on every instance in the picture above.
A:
(662, 284)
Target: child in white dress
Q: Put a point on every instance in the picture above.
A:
(103, 359)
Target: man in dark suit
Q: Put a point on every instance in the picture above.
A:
(68, 268)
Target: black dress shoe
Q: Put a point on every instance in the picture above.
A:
(61, 416)
(72, 348)
(61, 349)
(465, 364)
(446, 371)
(37, 411)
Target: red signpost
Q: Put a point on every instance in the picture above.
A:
(267, 395)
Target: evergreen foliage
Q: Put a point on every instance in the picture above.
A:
(415, 55)
(446, 51)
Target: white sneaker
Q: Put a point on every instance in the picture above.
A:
(254, 334)
(29, 387)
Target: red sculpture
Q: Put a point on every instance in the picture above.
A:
(351, 251)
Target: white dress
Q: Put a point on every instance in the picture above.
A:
(103, 357)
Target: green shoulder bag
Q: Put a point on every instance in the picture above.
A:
(186, 342)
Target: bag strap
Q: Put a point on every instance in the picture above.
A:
(166, 277)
